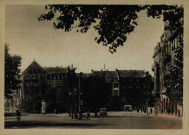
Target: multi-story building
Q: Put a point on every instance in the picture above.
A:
(164, 61)
(132, 87)
(34, 75)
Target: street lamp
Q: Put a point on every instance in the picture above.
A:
(70, 94)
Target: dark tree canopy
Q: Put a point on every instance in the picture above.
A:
(112, 22)
(12, 73)
(95, 87)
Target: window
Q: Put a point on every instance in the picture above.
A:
(35, 84)
(54, 77)
(27, 77)
(176, 43)
(27, 84)
(116, 85)
(130, 87)
(137, 80)
(34, 77)
(116, 93)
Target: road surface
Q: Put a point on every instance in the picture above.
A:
(114, 120)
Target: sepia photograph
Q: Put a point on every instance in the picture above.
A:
(94, 66)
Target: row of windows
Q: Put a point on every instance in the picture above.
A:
(30, 77)
(51, 77)
(174, 44)
(136, 80)
(31, 84)
(171, 45)
(137, 87)
(57, 76)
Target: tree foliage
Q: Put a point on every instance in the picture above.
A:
(96, 92)
(12, 73)
(112, 22)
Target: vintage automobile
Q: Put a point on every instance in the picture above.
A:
(103, 112)
(128, 108)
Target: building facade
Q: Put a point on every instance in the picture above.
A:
(128, 87)
(131, 87)
(165, 91)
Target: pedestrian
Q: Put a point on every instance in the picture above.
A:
(55, 111)
(80, 115)
(18, 114)
(88, 115)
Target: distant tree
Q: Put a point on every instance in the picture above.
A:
(96, 93)
(51, 99)
(12, 73)
(32, 103)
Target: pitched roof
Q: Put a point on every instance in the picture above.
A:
(98, 73)
(113, 74)
(34, 67)
(86, 75)
(56, 70)
(131, 73)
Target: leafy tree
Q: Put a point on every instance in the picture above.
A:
(112, 22)
(12, 73)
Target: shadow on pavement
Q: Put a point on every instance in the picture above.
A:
(34, 124)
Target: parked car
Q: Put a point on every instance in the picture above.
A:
(103, 112)
(128, 108)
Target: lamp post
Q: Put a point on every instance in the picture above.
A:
(79, 92)
(71, 109)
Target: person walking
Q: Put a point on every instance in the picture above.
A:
(18, 114)
(88, 115)
(80, 115)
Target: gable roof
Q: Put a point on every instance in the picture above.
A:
(34, 68)
(131, 73)
(111, 75)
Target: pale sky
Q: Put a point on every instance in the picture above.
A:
(32, 39)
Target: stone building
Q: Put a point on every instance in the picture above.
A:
(32, 77)
(165, 59)
(132, 87)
